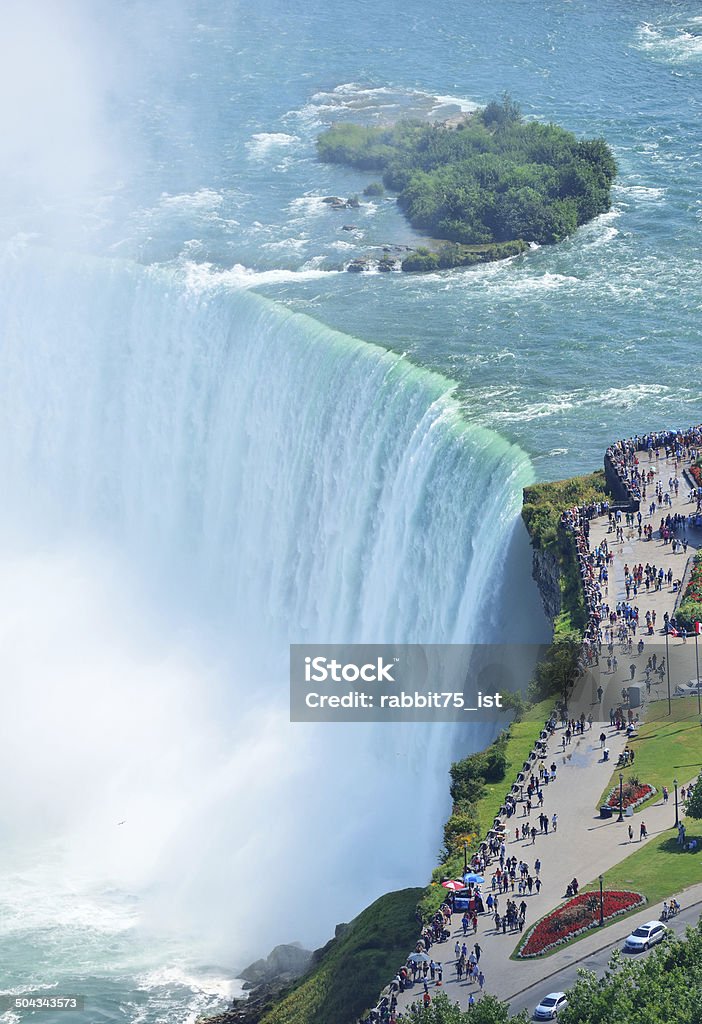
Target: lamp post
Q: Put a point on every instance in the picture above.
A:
(621, 797)
(677, 817)
(465, 856)
(601, 902)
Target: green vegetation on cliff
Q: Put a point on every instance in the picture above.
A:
(351, 970)
(491, 178)
(541, 511)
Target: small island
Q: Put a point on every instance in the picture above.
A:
(485, 185)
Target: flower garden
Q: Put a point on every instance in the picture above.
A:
(633, 794)
(574, 918)
(690, 610)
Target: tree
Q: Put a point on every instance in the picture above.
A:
(487, 1010)
(663, 989)
(694, 803)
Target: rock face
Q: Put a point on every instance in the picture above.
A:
(337, 203)
(545, 571)
(284, 963)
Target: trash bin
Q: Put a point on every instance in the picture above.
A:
(634, 696)
(605, 811)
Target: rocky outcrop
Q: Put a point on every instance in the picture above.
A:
(546, 572)
(267, 981)
(337, 203)
(288, 961)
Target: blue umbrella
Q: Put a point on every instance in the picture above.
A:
(473, 878)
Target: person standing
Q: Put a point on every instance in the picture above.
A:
(478, 950)
(631, 834)
(642, 831)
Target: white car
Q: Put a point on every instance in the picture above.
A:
(688, 689)
(550, 1006)
(646, 935)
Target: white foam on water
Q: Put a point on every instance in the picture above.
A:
(205, 199)
(640, 193)
(626, 397)
(206, 277)
(261, 145)
(292, 245)
(670, 43)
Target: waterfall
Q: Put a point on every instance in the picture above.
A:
(195, 476)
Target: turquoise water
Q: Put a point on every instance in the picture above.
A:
(196, 476)
(561, 350)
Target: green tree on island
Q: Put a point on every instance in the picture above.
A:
(492, 178)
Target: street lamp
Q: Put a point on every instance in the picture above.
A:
(621, 797)
(601, 902)
(677, 818)
(465, 856)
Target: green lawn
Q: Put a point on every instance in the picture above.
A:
(658, 870)
(666, 747)
(661, 868)
(522, 737)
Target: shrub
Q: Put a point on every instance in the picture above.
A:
(421, 259)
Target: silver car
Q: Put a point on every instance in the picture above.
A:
(550, 1006)
(645, 935)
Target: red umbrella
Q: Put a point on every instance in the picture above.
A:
(454, 885)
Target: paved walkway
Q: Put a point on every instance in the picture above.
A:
(631, 552)
(586, 846)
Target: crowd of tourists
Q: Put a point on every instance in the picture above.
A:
(595, 565)
(500, 903)
(623, 456)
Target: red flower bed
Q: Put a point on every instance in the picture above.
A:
(575, 917)
(632, 793)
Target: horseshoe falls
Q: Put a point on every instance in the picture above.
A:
(194, 477)
(214, 442)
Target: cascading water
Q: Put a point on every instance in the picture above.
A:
(193, 478)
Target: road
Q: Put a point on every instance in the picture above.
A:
(597, 962)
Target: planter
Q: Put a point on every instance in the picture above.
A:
(631, 797)
(575, 917)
